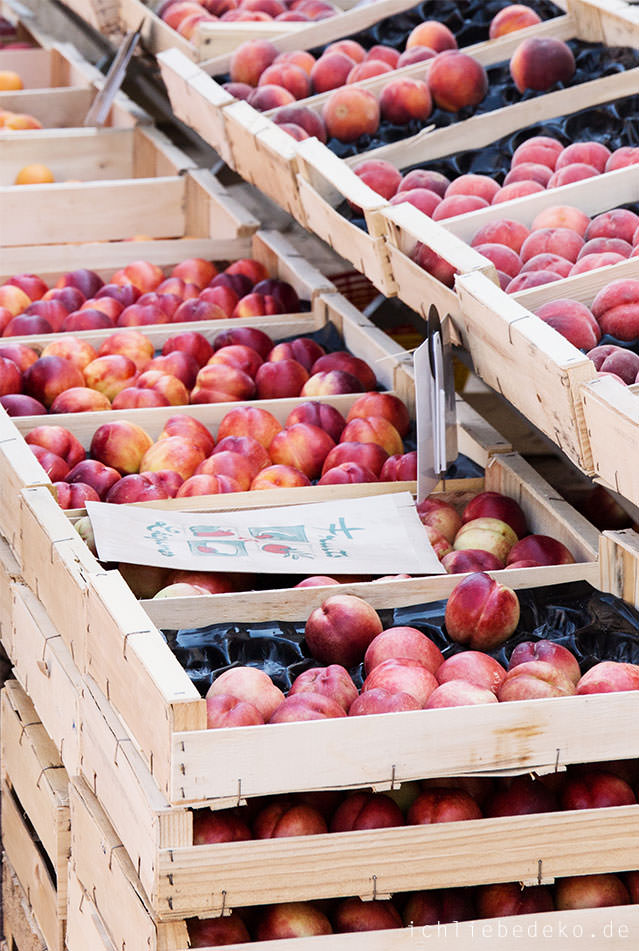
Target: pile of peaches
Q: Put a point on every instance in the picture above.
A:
(253, 451)
(453, 80)
(185, 15)
(141, 294)
(426, 913)
(243, 363)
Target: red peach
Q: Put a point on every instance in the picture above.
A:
(622, 157)
(303, 349)
(421, 198)
(560, 241)
(496, 505)
(562, 216)
(134, 488)
(74, 496)
(529, 172)
(368, 69)
(542, 549)
(351, 112)
(303, 446)
(355, 915)
(32, 285)
(517, 190)
(300, 58)
(383, 53)
(347, 363)
(363, 810)
(422, 178)
(250, 685)
(55, 467)
(142, 274)
(480, 613)
(87, 282)
(250, 59)
(231, 464)
(250, 421)
(197, 309)
(434, 34)
(458, 693)
(380, 700)
(224, 710)
(573, 320)
(318, 414)
(458, 205)
(222, 383)
(192, 343)
(601, 245)
(206, 484)
(609, 677)
(174, 452)
(511, 898)
(403, 100)
(488, 534)
(379, 175)
(548, 262)
(133, 397)
(291, 920)
(307, 706)
(80, 399)
(94, 473)
(400, 468)
(534, 679)
(474, 667)
(471, 559)
(288, 76)
(166, 384)
(340, 630)
(443, 804)
(504, 231)
(434, 264)
(375, 429)
(281, 379)
(240, 356)
(588, 153)
(347, 473)
(540, 62)
(402, 675)
(624, 363)
(48, 377)
(441, 516)
(549, 652)
(525, 281)
(18, 404)
(279, 477)
(590, 891)
(169, 481)
(479, 185)
(329, 382)
(596, 789)
(349, 47)
(619, 223)
(331, 71)
(522, 797)
(246, 336)
(310, 121)
(406, 643)
(333, 681)
(367, 454)
(575, 172)
(253, 451)
(514, 17)
(21, 355)
(456, 80)
(58, 440)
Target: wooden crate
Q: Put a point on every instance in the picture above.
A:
(219, 39)
(85, 928)
(33, 775)
(20, 927)
(115, 642)
(107, 874)
(185, 880)
(89, 155)
(60, 86)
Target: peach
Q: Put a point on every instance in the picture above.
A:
(514, 17)
(250, 421)
(529, 279)
(402, 675)
(134, 488)
(45, 379)
(480, 613)
(440, 515)
(522, 797)
(370, 455)
(340, 630)
(221, 383)
(318, 414)
(303, 446)
(142, 274)
(190, 342)
(307, 706)
(380, 700)
(379, 175)
(407, 643)
(121, 445)
(488, 534)
(375, 429)
(255, 454)
(300, 58)
(283, 293)
(433, 34)
(329, 382)
(10, 377)
(561, 241)
(74, 496)
(280, 476)
(230, 464)
(174, 452)
(210, 827)
(576, 172)
(456, 81)
(596, 789)
(347, 473)
(177, 364)
(368, 69)
(195, 270)
(527, 172)
(422, 178)
(439, 906)
(443, 804)
(384, 54)
(615, 294)
(458, 205)
(349, 113)
(316, 581)
(496, 505)
(288, 76)
(471, 184)
(197, 309)
(622, 157)
(539, 63)
(310, 121)
(224, 710)
(624, 363)
(165, 383)
(364, 810)
(250, 685)
(355, 915)
(503, 231)
(80, 399)
(387, 405)
(505, 259)
(110, 374)
(458, 693)
(91, 472)
(590, 891)
(434, 264)
(291, 920)
(21, 355)
(403, 100)
(58, 440)
(239, 356)
(303, 349)
(548, 262)
(250, 268)
(510, 898)
(250, 59)
(347, 363)
(400, 468)
(331, 71)
(540, 548)
(245, 336)
(55, 467)
(87, 282)
(280, 379)
(589, 153)
(333, 681)
(603, 245)
(568, 319)
(349, 47)
(619, 223)
(421, 198)
(27, 324)
(474, 667)
(534, 679)
(517, 190)
(133, 397)
(471, 559)
(86, 319)
(125, 294)
(168, 480)
(207, 484)
(609, 677)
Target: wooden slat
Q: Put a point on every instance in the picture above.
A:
(44, 668)
(84, 925)
(619, 559)
(86, 211)
(31, 871)
(20, 928)
(18, 468)
(66, 106)
(32, 767)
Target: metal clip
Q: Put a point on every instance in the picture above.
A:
(43, 770)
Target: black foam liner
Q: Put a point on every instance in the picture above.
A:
(593, 625)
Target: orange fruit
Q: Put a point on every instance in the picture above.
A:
(9, 81)
(35, 174)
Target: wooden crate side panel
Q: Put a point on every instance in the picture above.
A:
(31, 871)
(69, 153)
(527, 362)
(619, 559)
(196, 99)
(545, 511)
(368, 255)
(18, 468)
(84, 926)
(205, 879)
(530, 735)
(20, 928)
(613, 22)
(33, 66)
(133, 666)
(212, 213)
(117, 775)
(57, 567)
(31, 766)
(9, 572)
(104, 870)
(612, 422)
(88, 211)
(53, 108)
(417, 288)
(45, 670)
